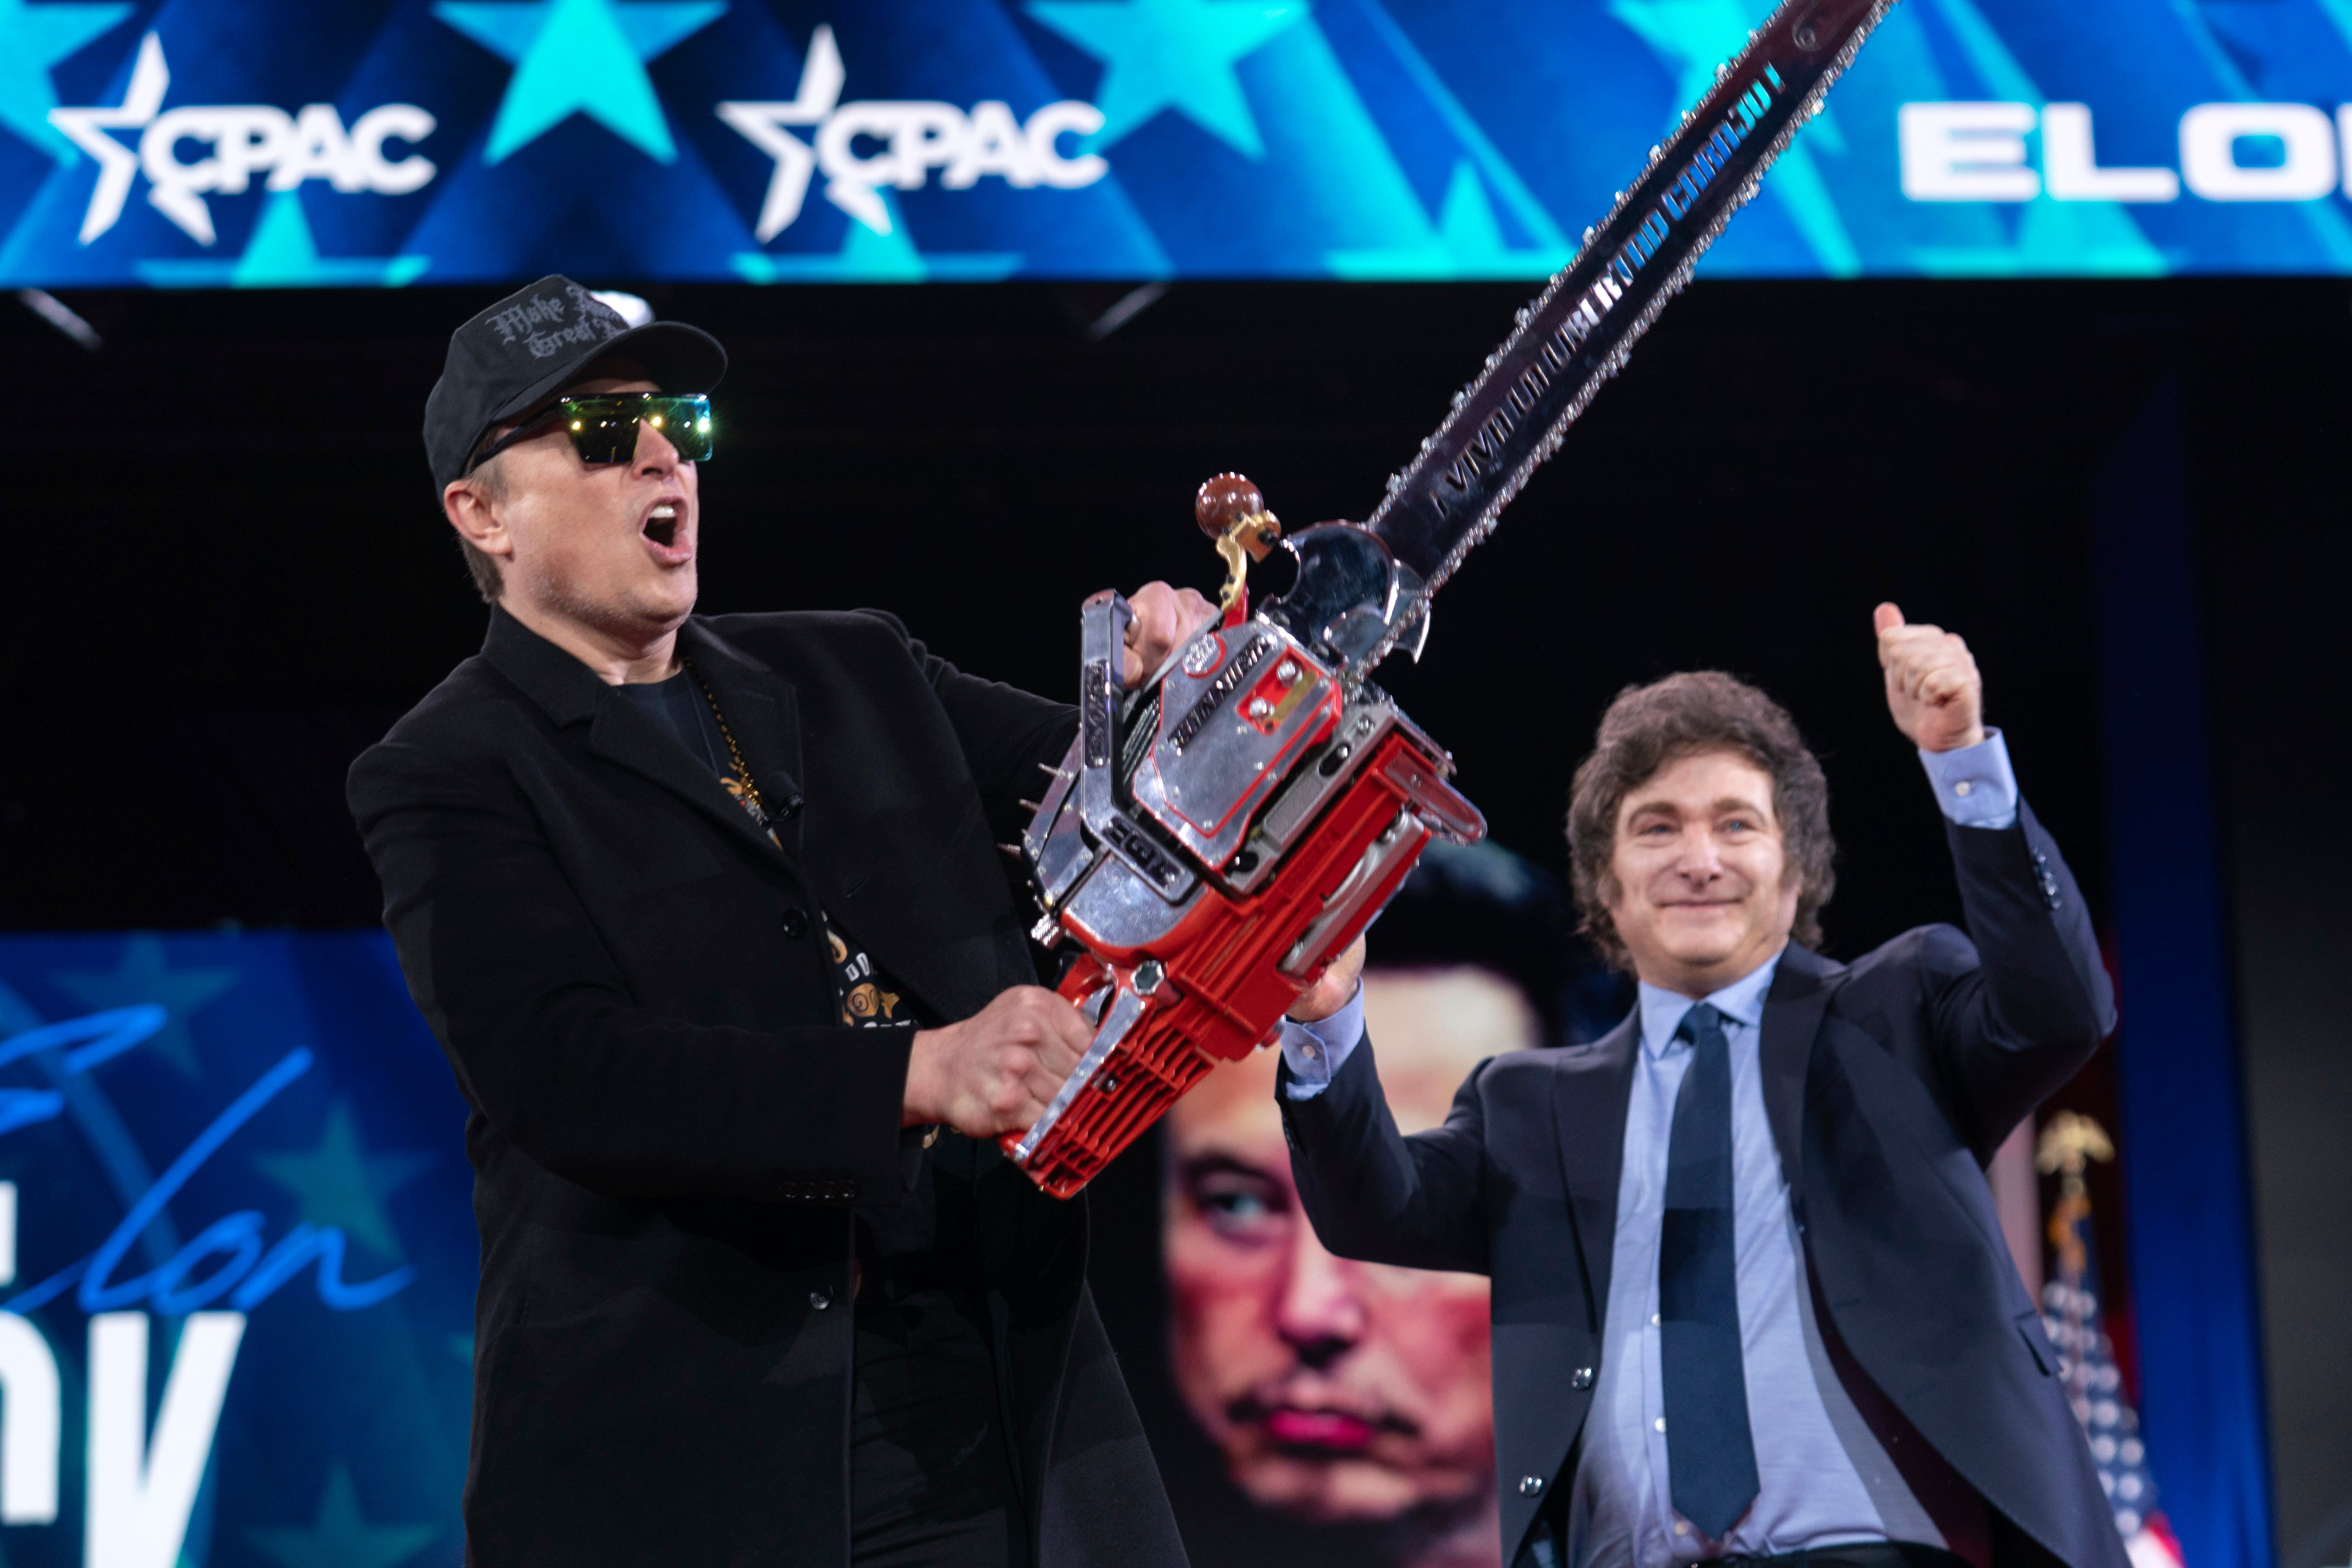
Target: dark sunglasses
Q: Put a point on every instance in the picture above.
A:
(603, 429)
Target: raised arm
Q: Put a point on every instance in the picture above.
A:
(2021, 1005)
(1375, 1195)
(2020, 1019)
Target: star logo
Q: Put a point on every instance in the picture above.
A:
(339, 1537)
(145, 974)
(118, 166)
(1171, 54)
(916, 137)
(579, 56)
(342, 1185)
(32, 39)
(247, 139)
(822, 74)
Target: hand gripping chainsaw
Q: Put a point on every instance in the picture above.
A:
(1215, 838)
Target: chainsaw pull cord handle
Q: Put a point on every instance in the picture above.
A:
(1230, 511)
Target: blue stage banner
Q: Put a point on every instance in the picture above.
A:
(239, 1256)
(278, 143)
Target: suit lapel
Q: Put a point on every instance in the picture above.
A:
(764, 712)
(571, 693)
(1792, 1016)
(1591, 1089)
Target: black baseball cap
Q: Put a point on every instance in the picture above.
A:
(536, 341)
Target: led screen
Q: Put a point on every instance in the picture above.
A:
(236, 1257)
(277, 142)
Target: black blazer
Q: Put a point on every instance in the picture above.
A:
(668, 1132)
(1889, 1083)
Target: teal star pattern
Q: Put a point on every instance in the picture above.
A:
(868, 257)
(341, 1183)
(1171, 54)
(146, 976)
(579, 56)
(1691, 37)
(1469, 244)
(338, 1537)
(2098, 238)
(282, 255)
(32, 39)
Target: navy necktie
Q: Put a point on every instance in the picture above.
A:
(1710, 1454)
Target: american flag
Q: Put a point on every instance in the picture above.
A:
(2095, 1383)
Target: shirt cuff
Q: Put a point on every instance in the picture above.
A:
(1317, 1050)
(1974, 785)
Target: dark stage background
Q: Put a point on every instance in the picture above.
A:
(228, 575)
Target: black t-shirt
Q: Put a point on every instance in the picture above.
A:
(933, 1482)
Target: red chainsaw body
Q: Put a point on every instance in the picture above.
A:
(1253, 820)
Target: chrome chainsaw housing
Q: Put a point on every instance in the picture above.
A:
(1205, 777)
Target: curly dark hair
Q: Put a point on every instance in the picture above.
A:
(1649, 727)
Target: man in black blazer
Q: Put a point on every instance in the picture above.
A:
(708, 915)
(1751, 1301)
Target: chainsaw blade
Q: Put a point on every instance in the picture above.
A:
(1578, 332)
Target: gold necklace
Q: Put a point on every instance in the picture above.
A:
(746, 793)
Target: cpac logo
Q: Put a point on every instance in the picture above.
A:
(245, 139)
(913, 137)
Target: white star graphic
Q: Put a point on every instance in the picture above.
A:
(118, 166)
(763, 123)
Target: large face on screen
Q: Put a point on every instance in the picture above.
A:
(1337, 1391)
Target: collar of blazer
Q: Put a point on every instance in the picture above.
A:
(760, 705)
(1592, 1086)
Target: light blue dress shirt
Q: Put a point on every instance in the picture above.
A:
(1322, 1046)
(1824, 1476)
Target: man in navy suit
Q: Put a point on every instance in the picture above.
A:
(1750, 1297)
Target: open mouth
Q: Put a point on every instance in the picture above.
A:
(661, 525)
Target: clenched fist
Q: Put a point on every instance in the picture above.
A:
(1165, 619)
(996, 1071)
(1932, 685)
(1331, 993)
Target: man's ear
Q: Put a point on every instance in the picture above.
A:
(477, 517)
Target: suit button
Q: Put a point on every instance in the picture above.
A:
(820, 1299)
(1583, 1378)
(1530, 1486)
(795, 922)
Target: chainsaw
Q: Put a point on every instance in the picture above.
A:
(1215, 837)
